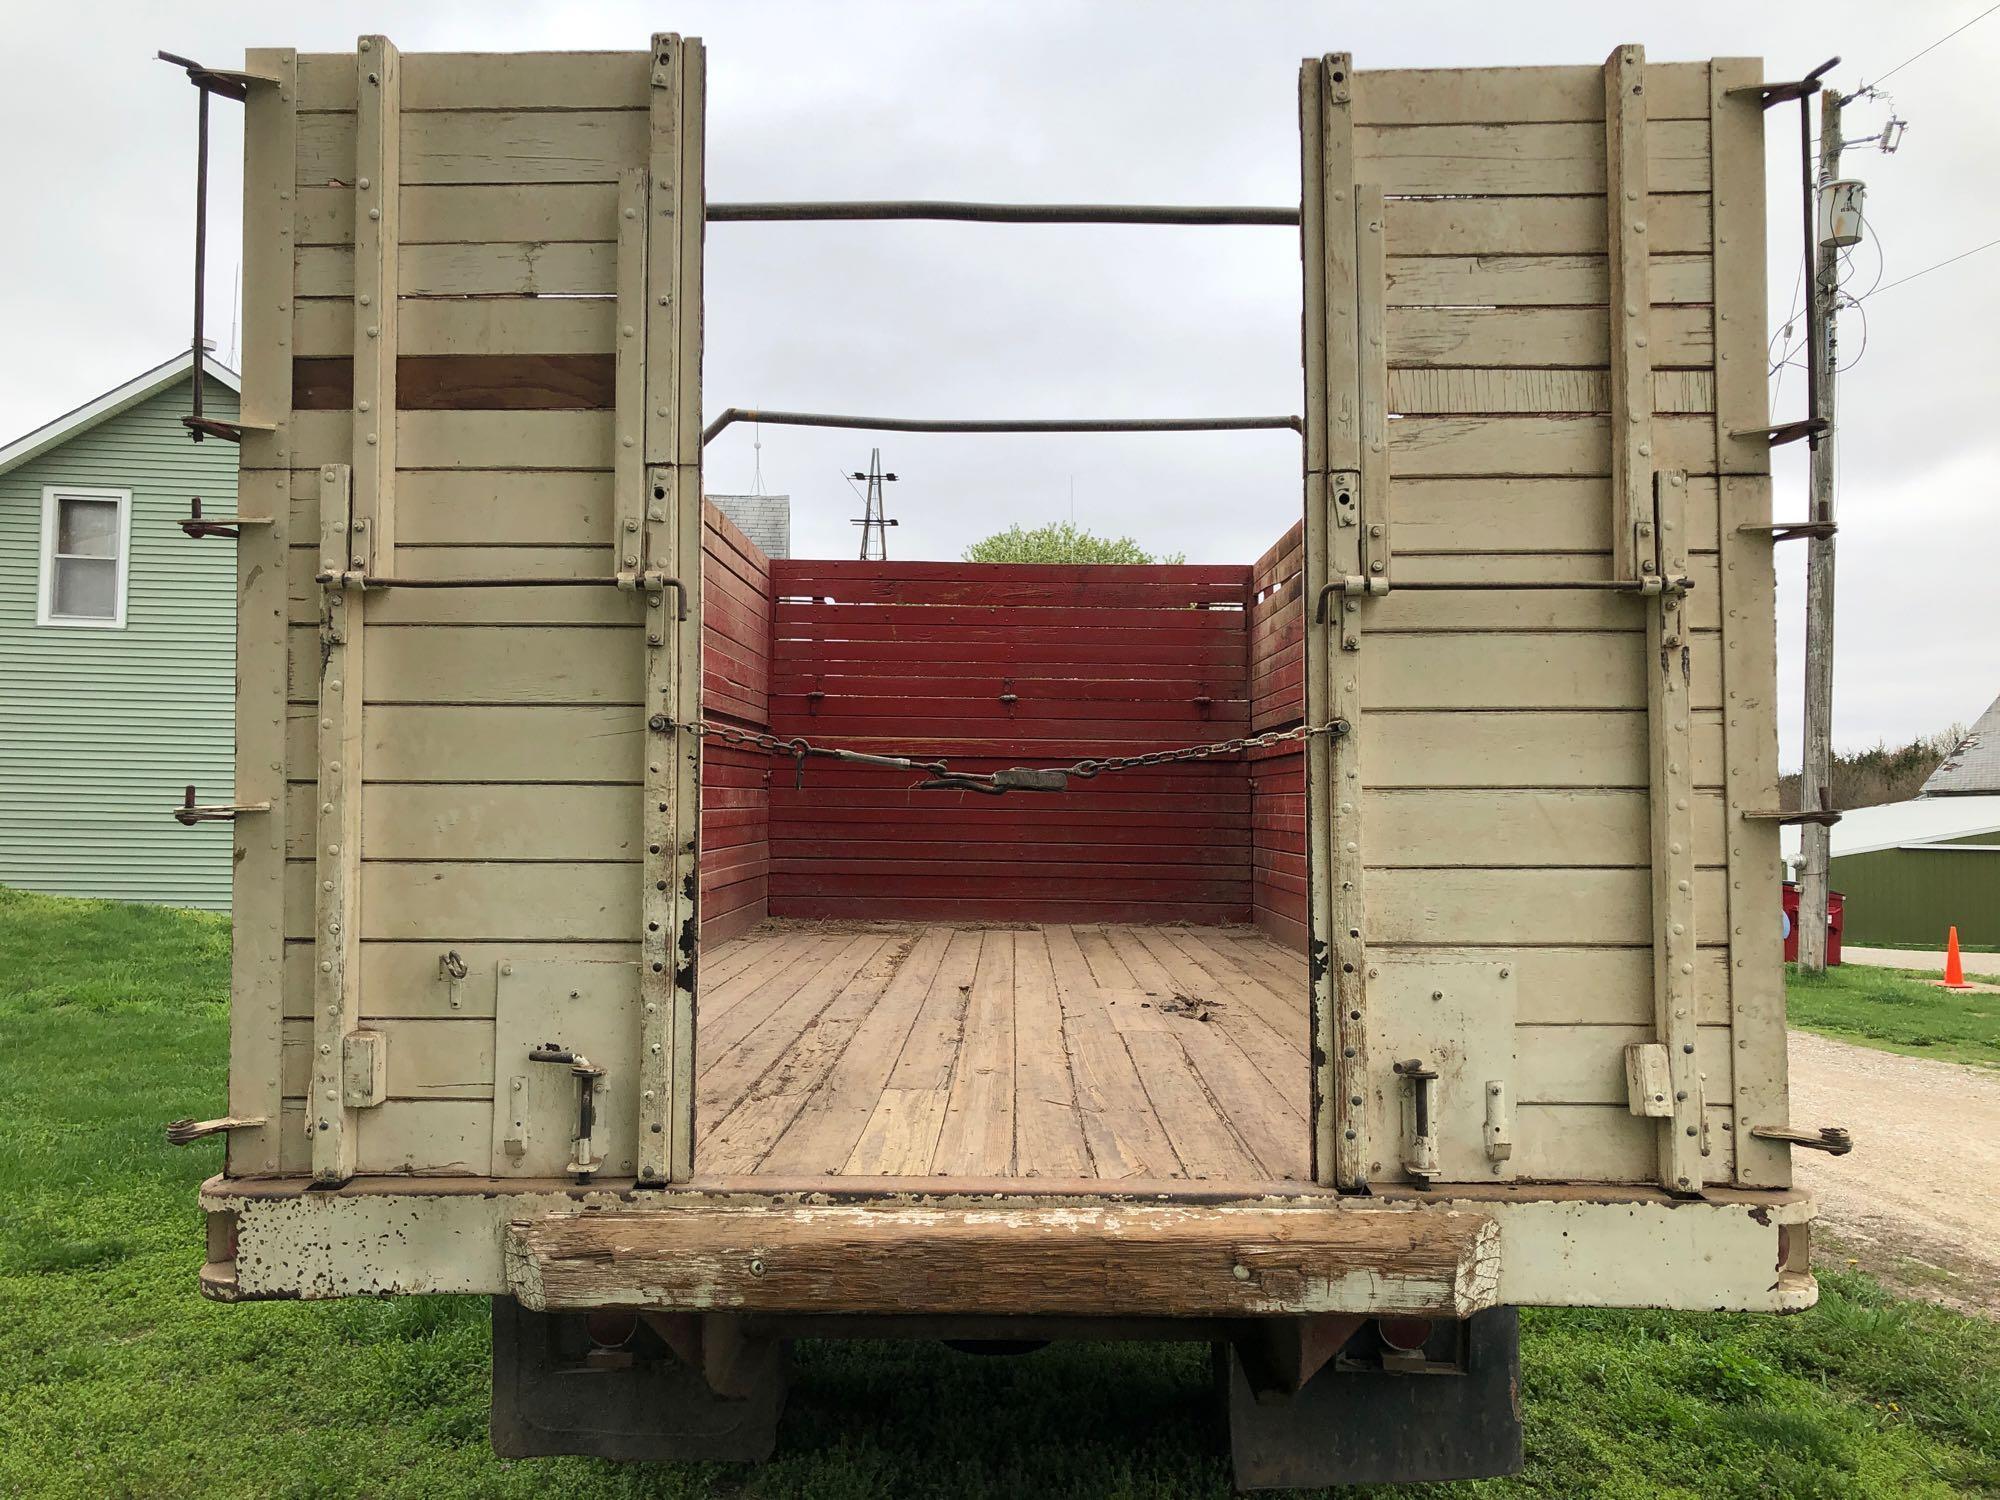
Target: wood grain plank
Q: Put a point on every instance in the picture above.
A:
(1048, 1131)
(977, 1138)
(824, 1133)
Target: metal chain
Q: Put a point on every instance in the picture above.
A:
(1089, 768)
(798, 749)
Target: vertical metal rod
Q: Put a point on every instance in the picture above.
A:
(200, 249)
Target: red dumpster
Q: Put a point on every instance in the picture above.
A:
(1836, 917)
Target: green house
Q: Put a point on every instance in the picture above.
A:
(118, 646)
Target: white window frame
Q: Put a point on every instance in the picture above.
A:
(52, 496)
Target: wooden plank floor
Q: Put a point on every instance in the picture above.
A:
(918, 1049)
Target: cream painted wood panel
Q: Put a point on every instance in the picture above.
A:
(1523, 827)
(468, 439)
(1618, 980)
(530, 268)
(1564, 907)
(324, 327)
(495, 664)
(1512, 748)
(1567, 157)
(495, 145)
(1679, 224)
(452, 508)
(1531, 445)
(482, 821)
(542, 212)
(481, 742)
(1545, 337)
(1433, 96)
(488, 80)
(1536, 280)
(1566, 514)
(452, 903)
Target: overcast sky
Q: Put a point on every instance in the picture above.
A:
(1138, 102)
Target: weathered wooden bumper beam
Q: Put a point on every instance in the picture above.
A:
(1114, 1261)
(875, 1247)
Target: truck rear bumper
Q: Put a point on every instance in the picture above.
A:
(894, 1247)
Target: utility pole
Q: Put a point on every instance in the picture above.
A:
(1815, 779)
(874, 524)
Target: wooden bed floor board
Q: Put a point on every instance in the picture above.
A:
(1088, 1051)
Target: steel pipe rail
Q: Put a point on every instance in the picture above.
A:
(1206, 214)
(734, 414)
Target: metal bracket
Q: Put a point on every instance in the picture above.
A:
(197, 526)
(1832, 1139)
(1824, 817)
(1769, 94)
(1786, 432)
(1792, 531)
(187, 1132)
(188, 814)
(1499, 1122)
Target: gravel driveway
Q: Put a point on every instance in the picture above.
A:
(1922, 1184)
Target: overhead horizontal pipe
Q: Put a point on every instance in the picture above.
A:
(1006, 213)
(734, 414)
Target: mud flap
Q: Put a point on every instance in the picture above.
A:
(1356, 1422)
(555, 1392)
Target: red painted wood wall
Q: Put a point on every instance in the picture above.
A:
(1277, 775)
(921, 658)
(736, 675)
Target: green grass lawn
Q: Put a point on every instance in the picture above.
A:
(1899, 1010)
(117, 1379)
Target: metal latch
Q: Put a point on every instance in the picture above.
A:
(188, 814)
(1420, 1159)
(583, 1165)
(1499, 1122)
(187, 1132)
(1832, 1139)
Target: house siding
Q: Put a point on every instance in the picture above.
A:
(101, 729)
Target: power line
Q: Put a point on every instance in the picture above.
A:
(1936, 44)
(1939, 266)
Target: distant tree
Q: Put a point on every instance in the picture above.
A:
(1886, 773)
(1061, 542)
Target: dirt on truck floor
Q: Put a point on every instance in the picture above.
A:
(1917, 1201)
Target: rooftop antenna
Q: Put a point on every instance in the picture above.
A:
(874, 524)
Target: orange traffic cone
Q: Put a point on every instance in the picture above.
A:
(1954, 970)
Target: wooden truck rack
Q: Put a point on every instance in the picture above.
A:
(1424, 962)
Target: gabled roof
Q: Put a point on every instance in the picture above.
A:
(108, 405)
(1921, 820)
(1973, 767)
